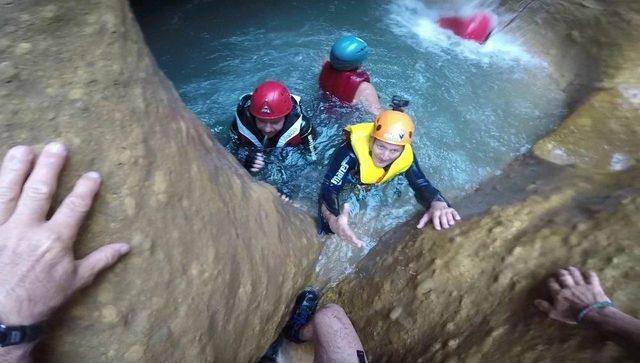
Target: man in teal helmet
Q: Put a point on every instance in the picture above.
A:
(343, 78)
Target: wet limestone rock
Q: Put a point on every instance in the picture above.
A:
(602, 134)
(594, 53)
(467, 294)
(586, 42)
(216, 257)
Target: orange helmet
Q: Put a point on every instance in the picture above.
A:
(394, 127)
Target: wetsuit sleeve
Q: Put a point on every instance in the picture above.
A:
(243, 153)
(342, 164)
(308, 134)
(425, 192)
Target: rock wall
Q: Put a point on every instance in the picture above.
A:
(467, 294)
(200, 285)
(216, 257)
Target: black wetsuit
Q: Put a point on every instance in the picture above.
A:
(252, 136)
(344, 172)
(247, 140)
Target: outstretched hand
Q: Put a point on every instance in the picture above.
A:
(570, 293)
(441, 215)
(38, 271)
(340, 225)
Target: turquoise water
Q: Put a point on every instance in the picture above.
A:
(475, 107)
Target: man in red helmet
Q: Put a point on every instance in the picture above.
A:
(270, 117)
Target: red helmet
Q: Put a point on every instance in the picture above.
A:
(270, 100)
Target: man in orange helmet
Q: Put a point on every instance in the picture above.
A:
(270, 117)
(373, 154)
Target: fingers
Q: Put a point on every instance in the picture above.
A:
(258, 163)
(576, 275)
(444, 222)
(436, 220)
(424, 220)
(593, 279)
(69, 217)
(544, 306)
(450, 217)
(345, 230)
(565, 278)
(14, 171)
(37, 192)
(456, 215)
(257, 166)
(554, 287)
(352, 238)
(97, 261)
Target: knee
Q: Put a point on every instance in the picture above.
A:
(329, 313)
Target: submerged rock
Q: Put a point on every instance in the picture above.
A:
(216, 257)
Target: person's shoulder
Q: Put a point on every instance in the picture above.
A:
(243, 101)
(345, 150)
(366, 87)
(363, 74)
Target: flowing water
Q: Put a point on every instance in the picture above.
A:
(475, 107)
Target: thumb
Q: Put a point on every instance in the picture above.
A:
(423, 221)
(544, 306)
(99, 260)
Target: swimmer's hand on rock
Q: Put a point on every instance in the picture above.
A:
(38, 270)
(570, 293)
(340, 225)
(441, 215)
(284, 196)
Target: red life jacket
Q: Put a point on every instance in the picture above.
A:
(341, 84)
(477, 27)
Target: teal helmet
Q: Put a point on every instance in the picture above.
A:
(348, 53)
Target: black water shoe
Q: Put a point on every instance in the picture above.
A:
(303, 310)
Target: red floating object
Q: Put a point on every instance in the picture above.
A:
(476, 27)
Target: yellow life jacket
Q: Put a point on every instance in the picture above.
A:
(360, 138)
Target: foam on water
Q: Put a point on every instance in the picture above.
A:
(475, 107)
(416, 21)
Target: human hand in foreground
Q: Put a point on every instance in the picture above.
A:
(571, 292)
(340, 225)
(38, 271)
(441, 215)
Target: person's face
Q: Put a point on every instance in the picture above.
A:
(384, 153)
(269, 127)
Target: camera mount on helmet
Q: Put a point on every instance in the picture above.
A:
(398, 103)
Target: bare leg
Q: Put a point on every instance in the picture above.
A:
(334, 338)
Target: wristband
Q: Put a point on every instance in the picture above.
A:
(12, 335)
(595, 305)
